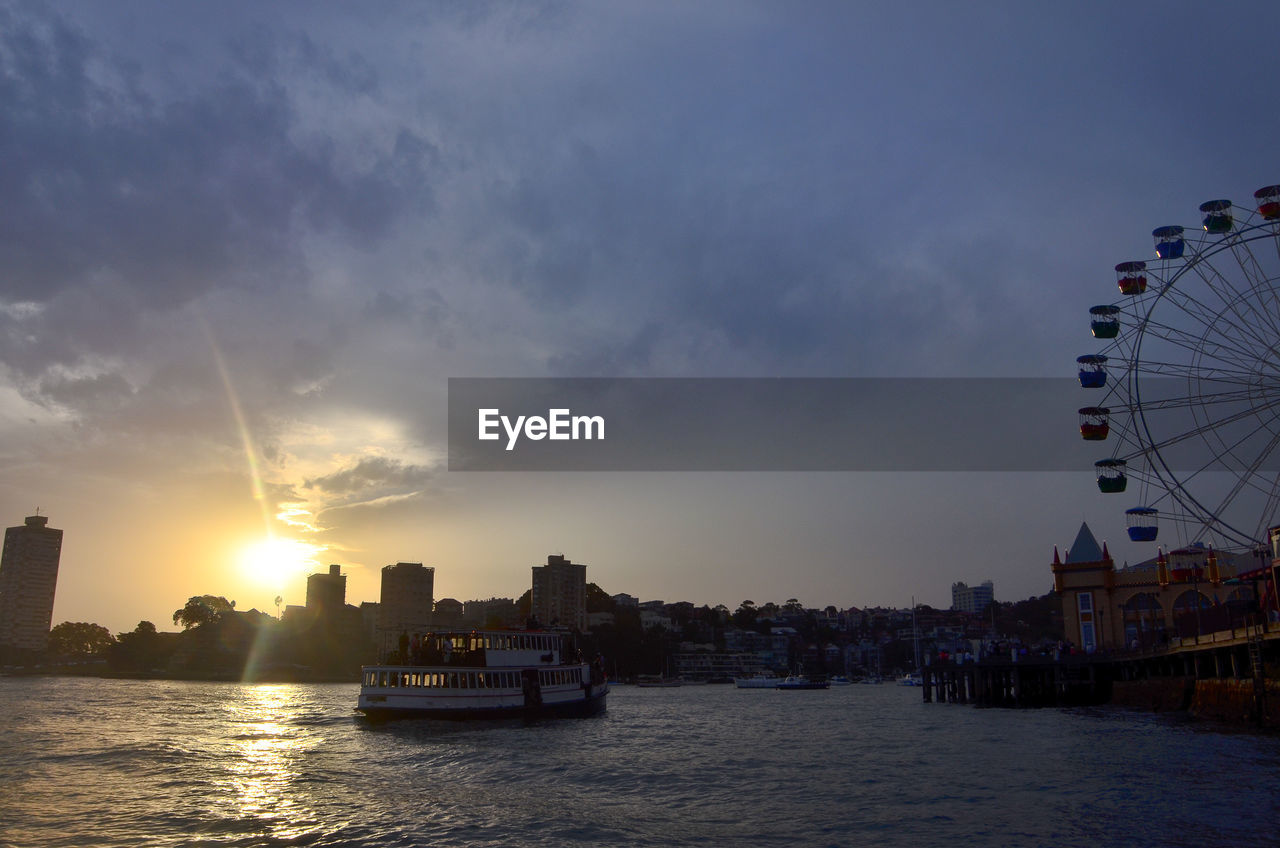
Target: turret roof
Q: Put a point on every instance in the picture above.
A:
(1085, 548)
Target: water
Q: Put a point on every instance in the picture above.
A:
(88, 762)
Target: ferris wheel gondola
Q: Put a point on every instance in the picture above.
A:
(1189, 378)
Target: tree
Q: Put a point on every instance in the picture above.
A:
(79, 640)
(598, 600)
(203, 609)
(140, 650)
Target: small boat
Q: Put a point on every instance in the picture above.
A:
(912, 679)
(483, 675)
(759, 681)
(840, 680)
(800, 682)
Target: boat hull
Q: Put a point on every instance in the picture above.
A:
(391, 707)
(757, 682)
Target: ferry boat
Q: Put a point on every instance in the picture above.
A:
(484, 674)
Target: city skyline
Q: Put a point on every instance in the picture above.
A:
(244, 248)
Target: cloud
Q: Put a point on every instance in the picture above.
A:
(372, 474)
(104, 181)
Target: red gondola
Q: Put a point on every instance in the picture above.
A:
(1131, 277)
(1094, 423)
(1268, 198)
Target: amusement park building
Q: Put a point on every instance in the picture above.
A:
(1187, 591)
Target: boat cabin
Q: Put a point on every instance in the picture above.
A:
(487, 649)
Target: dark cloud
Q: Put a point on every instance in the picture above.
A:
(213, 188)
(102, 392)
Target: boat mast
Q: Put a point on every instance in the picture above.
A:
(915, 631)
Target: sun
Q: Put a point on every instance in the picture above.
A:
(276, 560)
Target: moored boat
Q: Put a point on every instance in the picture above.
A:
(759, 681)
(484, 674)
(800, 682)
(657, 681)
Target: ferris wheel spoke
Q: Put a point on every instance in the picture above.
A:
(1221, 347)
(1187, 435)
(1245, 478)
(1199, 311)
(1181, 369)
(1262, 286)
(1240, 305)
(1269, 506)
(1192, 401)
(1197, 308)
(1251, 272)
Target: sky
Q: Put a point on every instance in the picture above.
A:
(244, 246)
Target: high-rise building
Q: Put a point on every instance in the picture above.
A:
(408, 596)
(327, 593)
(28, 580)
(560, 593)
(973, 599)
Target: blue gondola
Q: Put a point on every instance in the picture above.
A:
(1169, 242)
(1093, 370)
(1143, 524)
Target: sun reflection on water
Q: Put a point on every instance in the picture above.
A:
(264, 772)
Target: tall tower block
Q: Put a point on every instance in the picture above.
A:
(28, 580)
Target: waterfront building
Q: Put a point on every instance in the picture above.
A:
(28, 581)
(369, 620)
(972, 599)
(559, 593)
(622, 599)
(492, 613)
(1177, 594)
(448, 613)
(654, 618)
(406, 604)
(326, 593)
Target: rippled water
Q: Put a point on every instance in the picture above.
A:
(114, 763)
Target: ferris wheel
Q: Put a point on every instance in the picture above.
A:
(1186, 386)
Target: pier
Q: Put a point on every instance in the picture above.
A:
(1218, 675)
